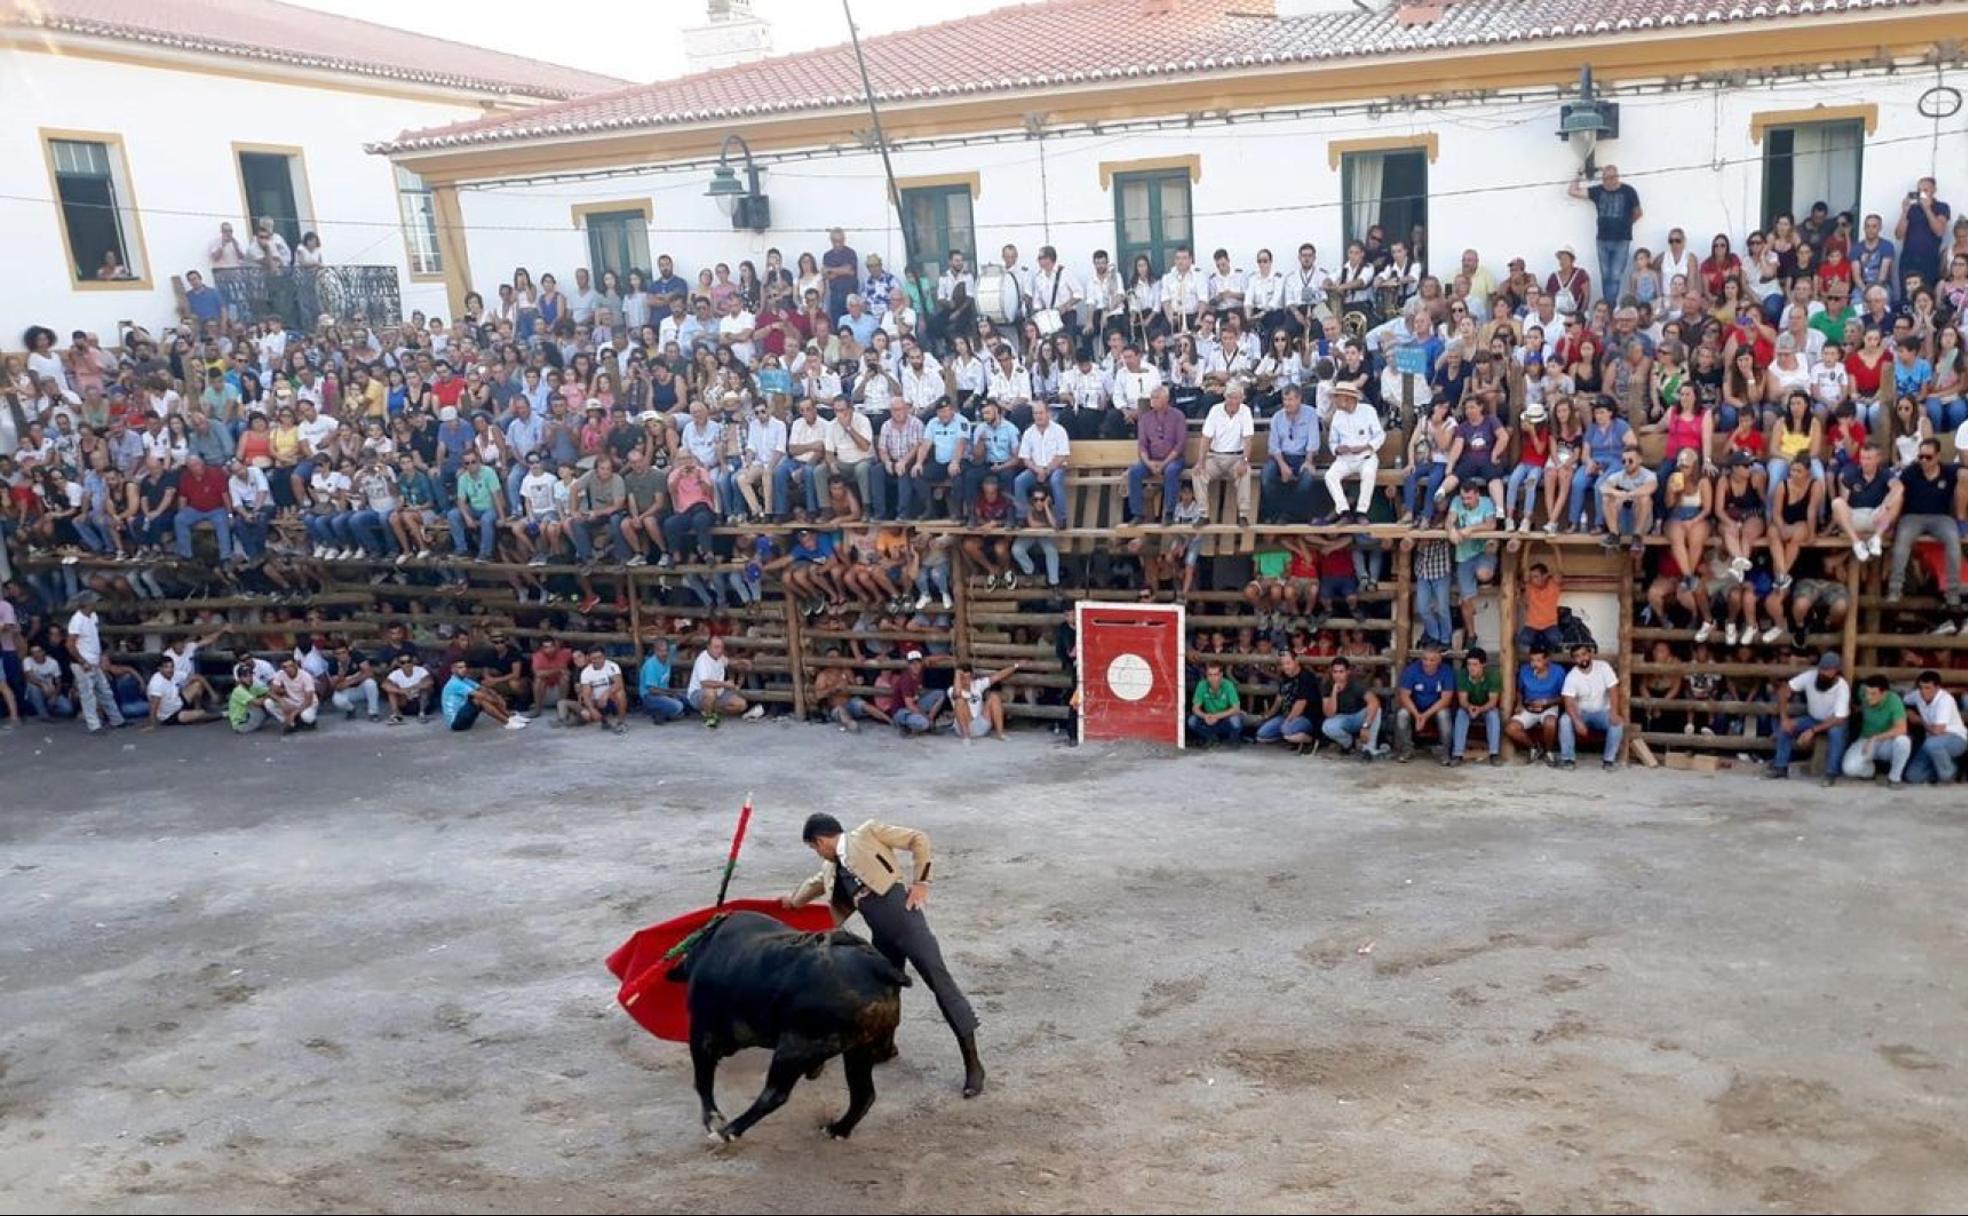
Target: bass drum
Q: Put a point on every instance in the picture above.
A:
(997, 294)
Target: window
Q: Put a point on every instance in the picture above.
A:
(618, 241)
(1151, 216)
(940, 222)
(1386, 189)
(419, 208)
(98, 213)
(1812, 162)
(273, 186)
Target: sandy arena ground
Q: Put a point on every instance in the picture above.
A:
(340, 973)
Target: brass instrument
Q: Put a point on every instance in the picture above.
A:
(1355, 324)
(1387, 297)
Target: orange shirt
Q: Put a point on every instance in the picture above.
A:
(1541, 603)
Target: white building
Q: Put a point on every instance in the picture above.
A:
(1136, 125)
(135, 129)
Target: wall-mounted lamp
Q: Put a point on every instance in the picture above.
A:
(1583, 123)
(743, 201)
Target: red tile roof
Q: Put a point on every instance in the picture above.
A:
(282, 33)
(1030, 47)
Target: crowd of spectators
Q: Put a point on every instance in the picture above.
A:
(1738, 409)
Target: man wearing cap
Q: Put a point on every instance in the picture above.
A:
(1354, 437)
(916, 707)
(1827, 712)
(1569, 286)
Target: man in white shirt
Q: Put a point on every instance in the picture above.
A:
(270, 248)
(806, 457)
(1588, 699)
(92, 685)
(1354, 437)
(582, 300)
(1305, 290)
(408, 682)
(1182, 293)
(292, 697)
(735, 327)
(1084, 386)
(851, 447)
(1228, 287)
(1105, 297)
(1055, 289)
(709, 692)
(604, 698)
(765, 451)
(1135, 382)
(1946, 737)
(226, 252)
(1227, 434)
(922, 387)
(1043, 449)
(167, 703)
(1827, 712)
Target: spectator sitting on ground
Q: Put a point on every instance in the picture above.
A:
(916, 707)
(1882, 736)
(710, 693)
(1588, 698)
(167, 706)
(1827, 712)
(464, 700)
(291, 697)
(246, 706)
(1297, 703)
(1540, 699)
(1425, 700)
(1479, 690)
(1351, 711)
(976, 703)
(603, 697)
(1215, 709)
(408, 683)
(653, 684)
(1944, 737)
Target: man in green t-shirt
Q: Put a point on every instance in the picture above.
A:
(1215, 715)
(1882, 736)
(1479, 692)
(243, 708)
(478, 505)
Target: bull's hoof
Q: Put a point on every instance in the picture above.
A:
(973, 1081)
(719, 1139)
(834, 1131)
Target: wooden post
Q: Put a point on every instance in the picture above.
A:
(1624, 695)
(1509, 574)
(635, 612)
(1850, 647)
(1403, 602)
(796, 654)
(960, 591)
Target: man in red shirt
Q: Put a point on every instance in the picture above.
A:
(202, 499)
(777, 326)
(447, 388)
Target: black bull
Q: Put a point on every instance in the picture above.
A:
(807, 996)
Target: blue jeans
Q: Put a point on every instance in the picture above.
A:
(1418, 491)
(1585, 495)
(910, 722)
(371, 529)
(1223, 730)
(43, 706)
(782, 490)
(582, 532)
(1947, 415)
(1297, 730)
(1021, 493)
(321, 530)
(1298, 503)
(1492, 727)
(661, 707)
(1597, 719)
(1935, 759)
(1137, 482)
(1787, 739)
(252, 527)
(1021, 552)
(911, 494)
(1344, 729)
(1552, 639)
(94, 534)
(1530, 477)
(221, 521)
(1613, 259)
(487, 524)
(1432, 605)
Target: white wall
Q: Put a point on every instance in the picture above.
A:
(1497, 185)
(178, 129)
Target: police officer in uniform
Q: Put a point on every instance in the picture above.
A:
(859, 873)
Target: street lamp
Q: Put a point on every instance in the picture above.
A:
(1583, 123)
(743, 201)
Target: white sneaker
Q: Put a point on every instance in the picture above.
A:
(1730, 635)
(922, 601)
(947, 604)
(1875, 546)
(1551, 529)
(1772, 634)
(755, 713)
(515, 724)
(1861, 550)
(1945, 629)
(1706, 631)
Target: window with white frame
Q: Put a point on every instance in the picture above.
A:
(92, 190)
(419, 207)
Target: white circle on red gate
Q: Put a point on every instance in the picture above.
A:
(1130, 677)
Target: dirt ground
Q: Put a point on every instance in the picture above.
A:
(341, 972)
